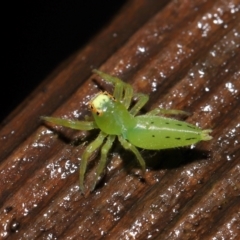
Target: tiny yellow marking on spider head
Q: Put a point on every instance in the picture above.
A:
(97, 103)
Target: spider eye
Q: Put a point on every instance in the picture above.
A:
(95, 110)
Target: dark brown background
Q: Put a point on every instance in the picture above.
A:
(184, 55)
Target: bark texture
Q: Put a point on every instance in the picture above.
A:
(184, 55)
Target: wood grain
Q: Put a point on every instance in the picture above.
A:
(184, 55)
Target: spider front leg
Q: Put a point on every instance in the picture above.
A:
(118, 84)
(86, 155)
(128, 146)
(79, 125)
(123, 93)
(103, 160)
(120, 87)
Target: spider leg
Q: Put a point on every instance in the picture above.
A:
(102, 163)
(119, 88)
(128, 94)
(118, 84)
(86, 155)
(118, 91)
(128, 146)
(107, 77)
(142, 100)
(79, 125)
(163, 111)
(126, 98)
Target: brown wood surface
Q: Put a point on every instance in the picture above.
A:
(184, 55)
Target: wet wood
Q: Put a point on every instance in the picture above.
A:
(184, 55)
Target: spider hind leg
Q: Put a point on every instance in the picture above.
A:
(128, 146)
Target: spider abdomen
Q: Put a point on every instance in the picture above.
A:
(155, 132)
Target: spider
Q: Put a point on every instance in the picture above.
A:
(114, 118)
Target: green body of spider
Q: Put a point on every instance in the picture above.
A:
(113, 118)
